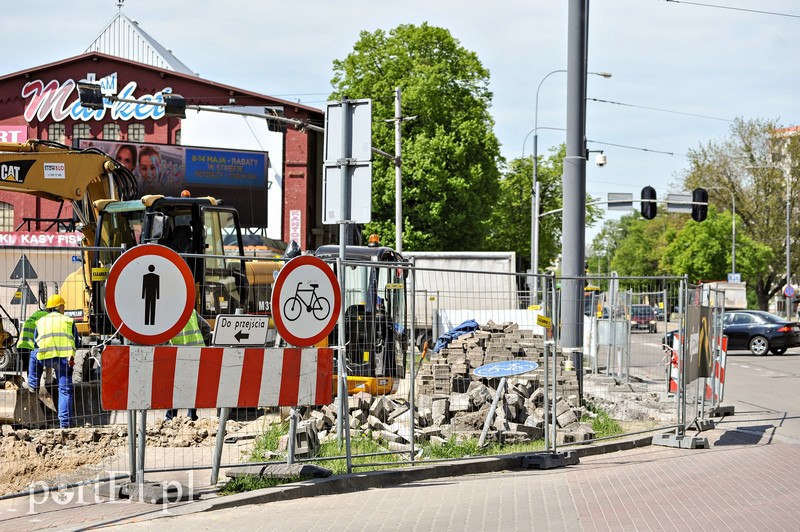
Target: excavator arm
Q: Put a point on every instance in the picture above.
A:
(56, 172)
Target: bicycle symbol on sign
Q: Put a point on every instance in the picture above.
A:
(306, 298)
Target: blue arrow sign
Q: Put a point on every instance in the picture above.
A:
(505, 368)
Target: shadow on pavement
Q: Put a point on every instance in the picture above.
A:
(745, 435)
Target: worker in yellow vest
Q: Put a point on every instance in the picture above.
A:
(25, 347)
(55, 341)
(197, 331)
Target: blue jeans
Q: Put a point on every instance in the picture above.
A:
(34, 370)
(63, 374)
(192, 413)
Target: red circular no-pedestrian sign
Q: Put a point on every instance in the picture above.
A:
(149, 294)
(305, 301)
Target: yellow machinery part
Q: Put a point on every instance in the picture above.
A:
(371, 385)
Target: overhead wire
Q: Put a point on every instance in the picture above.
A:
(731, 8)
(660, 110)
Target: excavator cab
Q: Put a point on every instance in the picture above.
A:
(374, 315)
(193, 227)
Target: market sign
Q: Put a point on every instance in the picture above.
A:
(60, 101)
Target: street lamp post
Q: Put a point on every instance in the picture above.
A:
(535, 186)
(733, 226)
(788, 231)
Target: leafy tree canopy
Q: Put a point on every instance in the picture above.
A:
(450, 153)
(511, 218)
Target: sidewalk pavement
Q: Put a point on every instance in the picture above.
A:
(745, 480)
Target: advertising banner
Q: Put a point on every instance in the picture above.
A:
(238, 178)
(699, 357)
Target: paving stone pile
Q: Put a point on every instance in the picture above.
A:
(452, 401)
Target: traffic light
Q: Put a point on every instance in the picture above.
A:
(699, 212)
(648, 203)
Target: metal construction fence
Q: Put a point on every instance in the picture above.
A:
(413, 341)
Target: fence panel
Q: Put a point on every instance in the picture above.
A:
(624, 356)
(411, 374)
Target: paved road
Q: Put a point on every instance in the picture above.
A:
(742, 483)
(747, 480)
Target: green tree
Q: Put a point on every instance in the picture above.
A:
(636, 253)
(510, 222)
(451, 155)
(753, 163)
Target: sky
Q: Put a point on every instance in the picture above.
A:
(681, 71)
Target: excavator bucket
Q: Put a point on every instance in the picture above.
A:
(19, 405)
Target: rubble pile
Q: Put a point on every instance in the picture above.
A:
(451, 400)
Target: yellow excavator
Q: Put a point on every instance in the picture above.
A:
(112, 218)
(375, 324)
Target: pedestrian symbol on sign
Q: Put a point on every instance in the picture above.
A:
(150, 293)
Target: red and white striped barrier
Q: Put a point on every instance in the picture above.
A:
(674, 370)
(155, 377)
(718, 380)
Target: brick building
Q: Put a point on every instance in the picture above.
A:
(42, 103)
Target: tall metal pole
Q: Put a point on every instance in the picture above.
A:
(342, 426)
(535, 194)
(733, 232)
(574, 182)
(788, 245)
(398, 173)
(733, 225)
(537, 189)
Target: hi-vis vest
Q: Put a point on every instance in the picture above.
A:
(26, 335)
(191, 334)
(54, 336)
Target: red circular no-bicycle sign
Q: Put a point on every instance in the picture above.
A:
(305, 301)
(149, 294)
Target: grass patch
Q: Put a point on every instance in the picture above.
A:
(602, 424)
(268, 442)
(359, 444)
(331, 456)
(249, 483)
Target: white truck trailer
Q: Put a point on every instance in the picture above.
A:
(451, 287)
(735, 294)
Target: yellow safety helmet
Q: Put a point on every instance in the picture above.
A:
(55, 301)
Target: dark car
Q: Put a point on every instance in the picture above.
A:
(643, 317)
(759, 332)
(668, 340)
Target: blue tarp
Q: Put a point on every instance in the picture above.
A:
(445, 339)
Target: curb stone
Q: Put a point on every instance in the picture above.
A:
(378, 479)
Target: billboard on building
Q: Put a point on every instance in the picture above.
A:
(237, 177)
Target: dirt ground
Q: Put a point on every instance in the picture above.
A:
(50, 455)
(33, 457)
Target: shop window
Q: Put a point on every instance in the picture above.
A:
(110, 132)
(136, 132)
(81, 131)
(57, 133)
(6, 216)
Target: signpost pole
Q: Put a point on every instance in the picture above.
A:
(132, 443)
(223, 421)
(142, 437)
(490, 416)
(501, 369)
